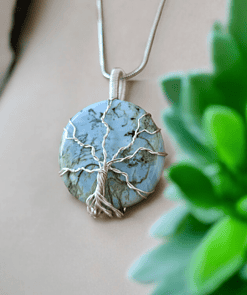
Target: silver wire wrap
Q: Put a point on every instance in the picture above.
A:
(117, 84)
(147, 48)
(97, 202)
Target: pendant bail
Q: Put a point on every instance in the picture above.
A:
(117, 84)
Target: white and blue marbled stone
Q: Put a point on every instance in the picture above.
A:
(144, 169)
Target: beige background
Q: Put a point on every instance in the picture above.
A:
(49, 244)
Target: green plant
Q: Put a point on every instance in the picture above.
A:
(204, 239)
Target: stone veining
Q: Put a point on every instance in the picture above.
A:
(121, 170)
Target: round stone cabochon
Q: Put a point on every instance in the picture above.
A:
(144, 169)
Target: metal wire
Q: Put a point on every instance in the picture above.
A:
(97, 201)
(146, 51)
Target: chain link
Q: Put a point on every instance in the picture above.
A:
(146, 51)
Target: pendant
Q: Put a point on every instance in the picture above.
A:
(111, 154)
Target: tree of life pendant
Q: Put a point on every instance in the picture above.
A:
(111, 156)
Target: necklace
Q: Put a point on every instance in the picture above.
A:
(112, 154)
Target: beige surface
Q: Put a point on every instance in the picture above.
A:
(49, 244)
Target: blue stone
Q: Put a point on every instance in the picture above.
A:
(144, 169)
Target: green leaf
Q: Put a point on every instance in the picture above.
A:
(207, 215)
(226, 186)
(195, 185)
(158, 263)
(220, 254)
(173, 192)
(227, 59)
(188, 143)
(163, 262)
(175, 286)
(203, 203)
(169, 223)
(246, 111)
(229, 68)
(200, 93)
(241, 206)
(243, 272)
(237, 23)
(171, 86)
(226, 131)
(235, 285)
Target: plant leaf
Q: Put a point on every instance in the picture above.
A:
(237, 23)
(173, 192)
(188, 143)
(225, 129)
(220, 254)
(245, 112)
(235, 285)
(171, 86)
(227, 59)
(201, 92)
(243, 272)
(169, 222)
(198, 190)
(207, 215)
(167, 259)
(241, 206)
(225, 185)
(175, 286)
(229, 73)
(195, 185)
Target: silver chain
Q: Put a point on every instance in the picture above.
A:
(146, 51)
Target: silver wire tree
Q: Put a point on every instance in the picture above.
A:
(96, 202)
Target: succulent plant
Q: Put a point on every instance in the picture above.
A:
(204, 239)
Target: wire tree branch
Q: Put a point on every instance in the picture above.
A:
(96, 202)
